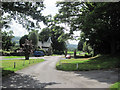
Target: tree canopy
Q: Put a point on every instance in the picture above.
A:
(33, 36)
(56, 33)
(23, 12)
(99, 21)
(7, 43)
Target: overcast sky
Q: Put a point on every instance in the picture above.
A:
(50, 9)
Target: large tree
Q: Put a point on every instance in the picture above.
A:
(7, 43)
(22, 40)
(33, 36)
(100, 23)
(23, 12)
(57, 35)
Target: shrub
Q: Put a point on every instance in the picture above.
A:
(58, 52)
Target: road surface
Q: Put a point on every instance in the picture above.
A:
(44, 75)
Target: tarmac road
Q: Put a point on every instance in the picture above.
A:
(44, 75)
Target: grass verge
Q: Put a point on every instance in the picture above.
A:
(14, 57)
(115, 86)
(10, 66)
(77, 53)
(94, 63)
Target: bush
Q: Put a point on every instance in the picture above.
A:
(5, 53)
(58, 52)
(17, 54)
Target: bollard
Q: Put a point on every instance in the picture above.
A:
(29, 61)
(77, 66)
(14, 64)
(23, 63)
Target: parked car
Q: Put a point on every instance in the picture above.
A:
(68, 56)
(38, 53)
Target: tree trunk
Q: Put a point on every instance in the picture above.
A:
(26, 57)
(75, 54)
(65, 53)
(113, 49)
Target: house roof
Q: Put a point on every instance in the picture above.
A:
(45, 44)
(49, 40)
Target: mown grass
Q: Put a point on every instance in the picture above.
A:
(14, 57)
(115, 86)
(8, 65)
(94, 63)
(77, 52)
(55, 55)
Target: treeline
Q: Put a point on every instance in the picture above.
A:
(99, 23)
(58, 46)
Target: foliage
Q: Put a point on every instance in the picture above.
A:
(44, 34)
(56, 33)
(80, 45)
(94, 63)
(33, 35)
(8, 65)
(87, 48)
(115, 86)
(26, 10)
(7, 43)
(22, 40)
(99, 22)
(27, 48)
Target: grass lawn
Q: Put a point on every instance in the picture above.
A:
(14, 57)
(94, 63)
(72, 52)
(55, 55)
(8, 65)
(115, 86)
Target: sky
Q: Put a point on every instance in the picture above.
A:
(50, 9)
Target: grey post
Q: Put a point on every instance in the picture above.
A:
(77, 66)
(14, 64)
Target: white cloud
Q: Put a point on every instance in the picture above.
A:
(50, 7)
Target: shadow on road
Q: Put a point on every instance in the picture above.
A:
(105, 76)
(6, 72)
(23, 81)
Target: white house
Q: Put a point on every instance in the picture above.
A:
(46, 45)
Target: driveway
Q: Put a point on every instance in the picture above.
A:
(44, 75)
